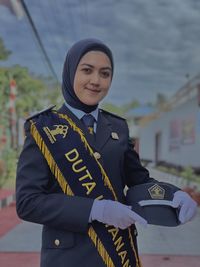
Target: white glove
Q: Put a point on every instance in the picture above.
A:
(115, 213)
(188, 207)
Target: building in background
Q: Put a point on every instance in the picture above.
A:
(134, 118)
(172, 136)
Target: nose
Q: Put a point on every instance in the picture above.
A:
(95, 79)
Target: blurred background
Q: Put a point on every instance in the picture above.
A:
(156, 84)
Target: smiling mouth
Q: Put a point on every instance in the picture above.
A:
(93, 90)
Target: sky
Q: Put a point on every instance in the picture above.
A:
(155, 43)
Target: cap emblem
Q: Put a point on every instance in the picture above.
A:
(156, 192)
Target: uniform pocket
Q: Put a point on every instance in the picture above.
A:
(57, 239)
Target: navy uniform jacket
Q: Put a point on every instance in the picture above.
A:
(39, 198)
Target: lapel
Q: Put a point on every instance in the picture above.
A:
(104, 130)
(90, 138)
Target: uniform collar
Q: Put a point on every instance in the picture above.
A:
(79, 113)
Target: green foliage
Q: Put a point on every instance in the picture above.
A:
(162, 168)
(32, 92)
(161, 100)
(120, 110)
(174, 171)
(29, 91)
(112, 108)
(2, 172)
(4, 98)
(4, 53)
(133, 104)
(188, 173)
(8, 163)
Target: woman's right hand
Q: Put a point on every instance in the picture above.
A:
(115, 213)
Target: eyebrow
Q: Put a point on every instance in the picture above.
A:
(91, 66)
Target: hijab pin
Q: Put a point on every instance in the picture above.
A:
(115, 136)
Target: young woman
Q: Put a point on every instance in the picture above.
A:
(73, 169)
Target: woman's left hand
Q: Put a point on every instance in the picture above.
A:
(188, 207)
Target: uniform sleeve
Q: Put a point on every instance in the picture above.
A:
(39, 198)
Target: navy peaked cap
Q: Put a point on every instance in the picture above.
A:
(153, 201)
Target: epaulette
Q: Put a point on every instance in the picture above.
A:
(112, 114)
(40, 112)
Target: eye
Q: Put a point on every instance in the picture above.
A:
(105, 74)
(87, 70)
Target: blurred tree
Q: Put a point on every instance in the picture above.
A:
(4, 83)
(112, 108)
(33, 93)
(161, 100)
(131, 105)
(4, 53)
(120, 110)
(4, 123)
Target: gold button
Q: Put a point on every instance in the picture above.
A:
(57, 242)
(97, 155)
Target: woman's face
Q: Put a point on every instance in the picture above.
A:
(93, 77)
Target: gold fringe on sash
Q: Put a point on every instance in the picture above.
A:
(67, 190)
(100, 247)
(51, 162)
(138, 263)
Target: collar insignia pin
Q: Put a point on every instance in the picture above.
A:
(115, 136)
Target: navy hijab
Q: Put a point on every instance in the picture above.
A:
(74, 55)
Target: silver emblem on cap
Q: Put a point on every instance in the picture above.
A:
(156, 192)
